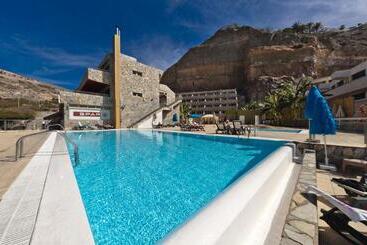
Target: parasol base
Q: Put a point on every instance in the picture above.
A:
(328, 167)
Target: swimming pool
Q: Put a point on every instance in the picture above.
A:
(138, 186)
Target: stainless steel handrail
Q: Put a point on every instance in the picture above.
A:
(75, 146)
(19, 143)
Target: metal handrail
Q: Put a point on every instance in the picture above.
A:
(19, 143)
(75, 146)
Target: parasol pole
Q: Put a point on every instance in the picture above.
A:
(325, 147)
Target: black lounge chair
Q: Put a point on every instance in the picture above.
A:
(220, 128)
(339, 222)
(352, 187)
(341, 214)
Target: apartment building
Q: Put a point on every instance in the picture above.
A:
(211, 102)
(348, 93)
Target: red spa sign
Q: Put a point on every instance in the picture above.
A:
(86, 113)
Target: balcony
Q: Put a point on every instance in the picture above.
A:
(95, 81)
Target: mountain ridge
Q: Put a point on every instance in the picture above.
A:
(238, 56)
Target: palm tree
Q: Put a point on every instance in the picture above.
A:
(185, 111)
(310, 27)
(317, 26)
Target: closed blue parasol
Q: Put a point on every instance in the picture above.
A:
(311, 99)
(322, 119)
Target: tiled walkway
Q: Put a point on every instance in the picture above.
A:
(9, 168)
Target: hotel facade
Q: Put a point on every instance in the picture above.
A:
(347, 91)
(211, 102)
(121, 92)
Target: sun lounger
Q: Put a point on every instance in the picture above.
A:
(220, 128)
(352, 187)
(360, 163)
(339, 217)
(238, 128)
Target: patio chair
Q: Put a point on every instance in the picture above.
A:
(238, 128)
(220, 128)
(353, 187)
(340, 215)
(197, 127)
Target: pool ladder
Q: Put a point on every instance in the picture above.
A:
(20, 143)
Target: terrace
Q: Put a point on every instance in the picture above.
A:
(323, 178)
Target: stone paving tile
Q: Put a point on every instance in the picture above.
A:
(301, 222)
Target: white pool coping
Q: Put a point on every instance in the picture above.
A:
(245, 212)
(61, 217)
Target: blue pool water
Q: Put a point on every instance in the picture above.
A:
(280, 130)
(137, 186)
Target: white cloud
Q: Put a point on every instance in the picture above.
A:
(330, 12)
(273, 13)
(56, 56)
(49, 71)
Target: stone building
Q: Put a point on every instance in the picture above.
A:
(143, 101)
(211, 102)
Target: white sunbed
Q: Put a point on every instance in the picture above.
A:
(355, 214)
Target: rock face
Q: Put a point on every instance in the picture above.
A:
(13, 86)
(236, 56)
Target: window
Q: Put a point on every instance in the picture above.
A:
(137, 94)
(359, 96)
(138, 73)
(359, 75)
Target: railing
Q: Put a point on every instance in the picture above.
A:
(75, 146)
(20, 143)
(151, 113)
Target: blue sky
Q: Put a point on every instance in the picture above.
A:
(55, 41)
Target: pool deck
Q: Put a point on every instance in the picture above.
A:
(342, 139)
(9, 169)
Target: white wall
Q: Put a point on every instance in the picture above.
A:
(150, 121)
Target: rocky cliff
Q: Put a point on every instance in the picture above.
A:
(13, 86)
(237, 56)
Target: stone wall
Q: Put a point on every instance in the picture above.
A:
(98, 75)
(336, 153)
(171, 96)
(139, 90)
(83, 100)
